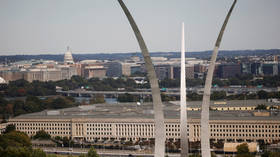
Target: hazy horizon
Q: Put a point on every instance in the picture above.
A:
(98, 26)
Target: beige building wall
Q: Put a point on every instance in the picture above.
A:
(91, 129)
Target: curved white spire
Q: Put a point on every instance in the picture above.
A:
(204, 121)
(157, 103)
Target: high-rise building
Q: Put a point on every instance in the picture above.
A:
(270, 69)
(164, 71)
(256, 69)
(229, 70)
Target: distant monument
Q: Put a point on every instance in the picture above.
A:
(68, 58)
(204, 121)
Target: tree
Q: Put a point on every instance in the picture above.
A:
(42, 135)
(261, 107)
(270, 154)
(243, 150)
(14, 139)
(10, 128)
(1, 151)
(82, 155)
(17, 152)
(218, 95)
(92, 153)
(98, 99)
(38, 153)
(262, 94)
(128, 98)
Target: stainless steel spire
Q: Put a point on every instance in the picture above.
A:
(158, 112)
(205, 132)
(183, 114)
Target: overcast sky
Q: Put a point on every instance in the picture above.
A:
(100, 26)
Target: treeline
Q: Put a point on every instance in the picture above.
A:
(33, 104)
(18, 144)
(106, 84)
(22, 87)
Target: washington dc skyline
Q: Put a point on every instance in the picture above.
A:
(31, 27)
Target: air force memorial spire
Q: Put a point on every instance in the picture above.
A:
(205, 132)
(157, 103)
(183, 113)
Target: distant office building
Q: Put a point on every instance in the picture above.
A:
(256, 68)
(114, 69)
(246, 68)
(68, 71)
(176, 72)
(11, 75)
(43, 75)
(135, 58)
(164, 71)
(90, 63)
(126, 69)
(270, 69)
(229, 70)
(158, 59)
(136, 68)
(200, 68)
(189, 71)
(94, 72)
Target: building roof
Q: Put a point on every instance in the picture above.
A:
(143, 111)
(232, 103)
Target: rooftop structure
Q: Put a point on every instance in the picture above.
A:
(134, 112)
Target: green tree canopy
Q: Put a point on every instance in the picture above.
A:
(10, 128)
(14, 139)
(42, 135)
(243, 151)
(261, 107)
(92, 153)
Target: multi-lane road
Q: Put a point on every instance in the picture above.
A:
(167, 91)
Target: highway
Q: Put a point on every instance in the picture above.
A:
(103, 152)
(168, 91)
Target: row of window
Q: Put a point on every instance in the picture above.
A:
(40, 128)
(49, 132)
(246, 135)
(99, 133)
(244, 130)
(99, 129)
(42, 124)
(243, 126)
(99, 125)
